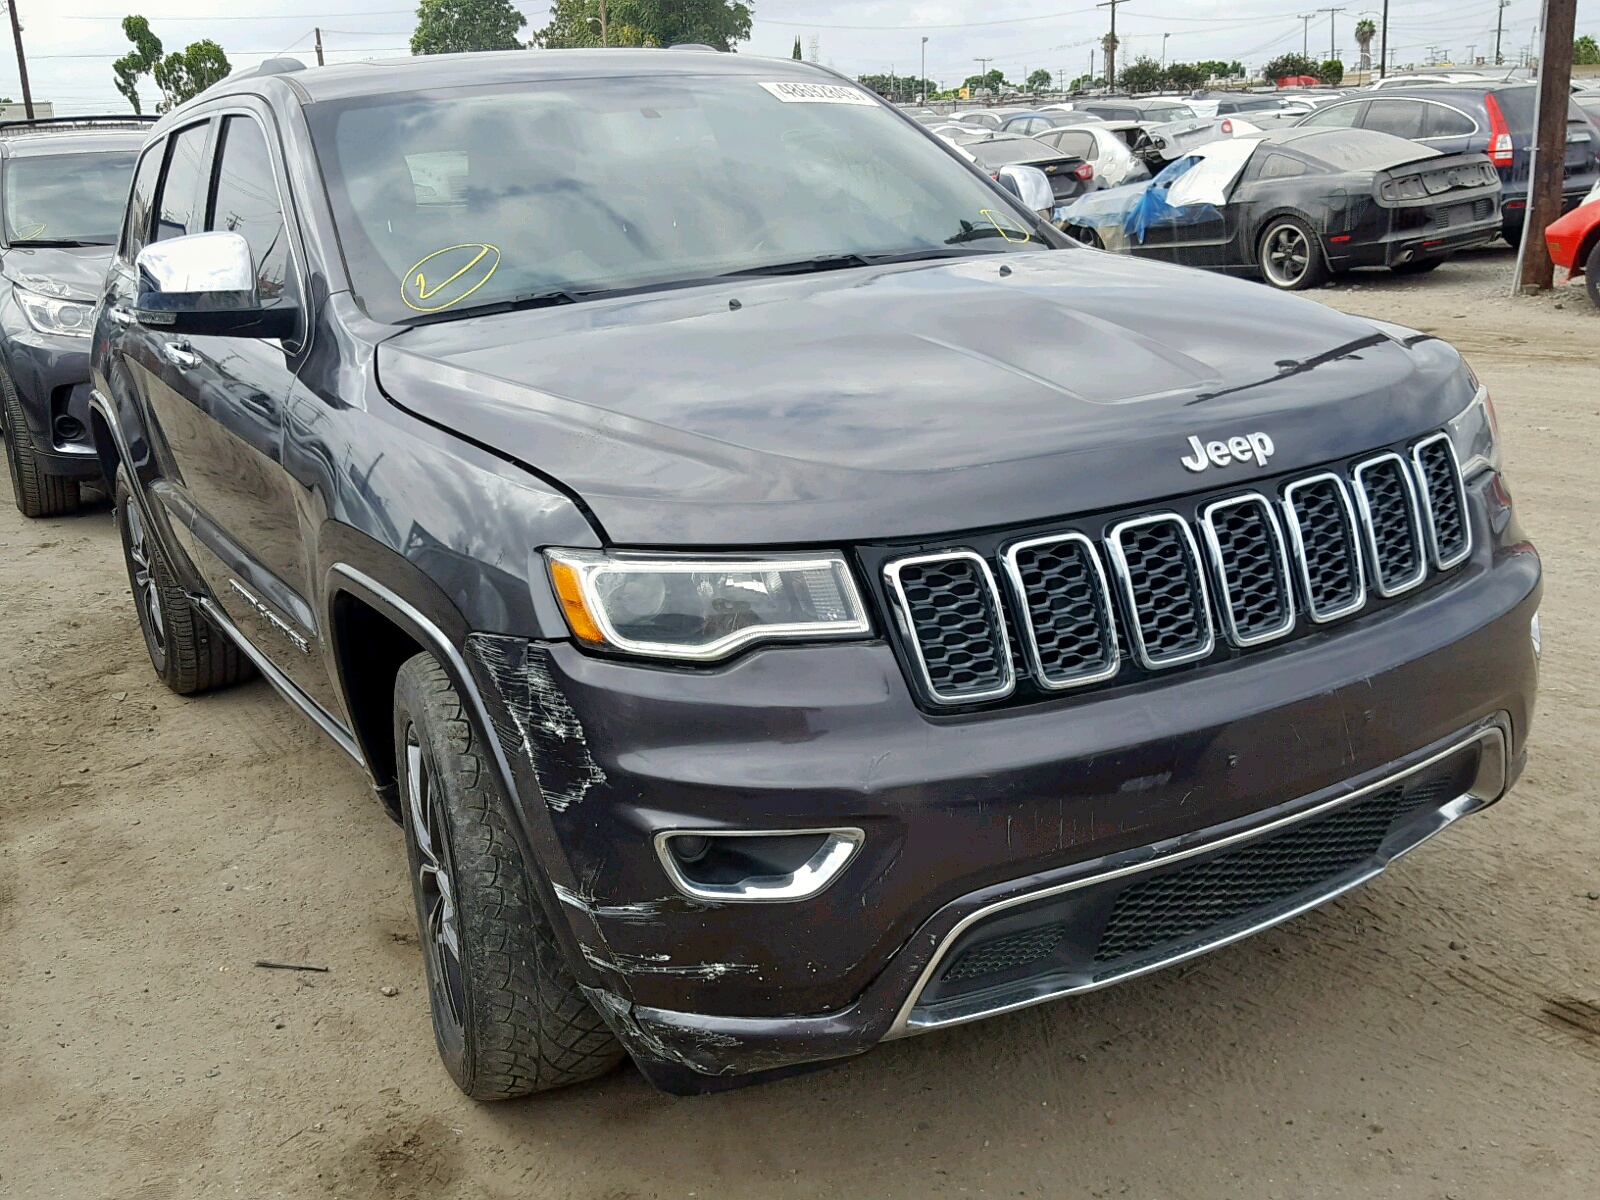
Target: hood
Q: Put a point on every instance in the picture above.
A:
(913, 400)
(70, 272)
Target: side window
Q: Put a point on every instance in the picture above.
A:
(244, 200)
(1081, 144)
(1403, 118)
(1281, 166)
(179, 210)
(1447, 122)
(136, 227)
(1335, 116)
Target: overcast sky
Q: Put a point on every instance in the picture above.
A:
(72, 43)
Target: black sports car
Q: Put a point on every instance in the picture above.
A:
(1297, 205)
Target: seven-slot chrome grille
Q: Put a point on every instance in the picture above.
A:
(1162, 589)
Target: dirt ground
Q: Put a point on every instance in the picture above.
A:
(1436, 1034)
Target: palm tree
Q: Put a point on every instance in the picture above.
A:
(1365, 32)
(1108, 47)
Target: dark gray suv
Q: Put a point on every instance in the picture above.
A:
(63, 188)
(791, 596)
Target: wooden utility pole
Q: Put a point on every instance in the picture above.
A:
(1383, 46)
(1499, 30)
(22, 60)
(319, 47)
(1550, 165)
(1111, 44)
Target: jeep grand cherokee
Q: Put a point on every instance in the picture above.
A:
(785, 591)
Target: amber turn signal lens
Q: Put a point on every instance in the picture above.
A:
(570, 593)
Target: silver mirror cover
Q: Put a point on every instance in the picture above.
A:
(1030, 185)
(200, 272)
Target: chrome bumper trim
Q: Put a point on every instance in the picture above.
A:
(1490, 784)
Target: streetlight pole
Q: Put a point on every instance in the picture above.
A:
(1164, 38)
(922, 79)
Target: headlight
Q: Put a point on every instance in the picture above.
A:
(66, 318)
(1476, 436)
(704, 609)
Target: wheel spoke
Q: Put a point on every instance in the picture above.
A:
(437, 902)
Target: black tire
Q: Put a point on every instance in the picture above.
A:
(1417, 266)
(37, 494)
(1591, 274)
(508, 1016)
(188, 652)
(1290, 256)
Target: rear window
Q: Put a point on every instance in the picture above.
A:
(1360, 149)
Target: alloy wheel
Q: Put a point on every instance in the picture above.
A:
(436, 894)
(146, 591)
(1288, 255)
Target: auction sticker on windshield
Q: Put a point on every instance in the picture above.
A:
(819, 93)
(448, 276)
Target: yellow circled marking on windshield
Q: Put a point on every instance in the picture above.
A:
(995, 218)
(32, 233)
(417, 278)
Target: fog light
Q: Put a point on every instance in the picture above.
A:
(1533, 632)
(756, 865)
(68, 429)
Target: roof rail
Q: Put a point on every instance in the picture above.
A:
(67, 124)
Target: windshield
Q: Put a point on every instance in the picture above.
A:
(1013, 150)
(1168, 112)
(450, 200)
(67, 199)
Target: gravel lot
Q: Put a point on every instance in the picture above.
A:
(1436, 1034)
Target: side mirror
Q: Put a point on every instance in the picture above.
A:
(1031, 186)
(205, 283)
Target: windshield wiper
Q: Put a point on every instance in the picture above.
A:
(549, 299)
(55, 243)
(974, 233)
(840, 262)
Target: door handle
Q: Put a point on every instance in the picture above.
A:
(179, 354)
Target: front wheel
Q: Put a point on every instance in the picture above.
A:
(37, 493)
(508, 1016)
(1591, 273)
(1290, 256)
(186, 649)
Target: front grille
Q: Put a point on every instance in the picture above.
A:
(1446, 500)
(1062, 625)
(1217, 891)
(1324, 528)
(1163, 588)
(950, 611)
(1254, 592)
(1393, 531)
(1062, 593)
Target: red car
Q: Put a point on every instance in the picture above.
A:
(1574, 243)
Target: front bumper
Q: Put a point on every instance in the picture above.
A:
(961, 814)
(51, 375)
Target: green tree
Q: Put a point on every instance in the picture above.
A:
(797, 55)
(141, 60)
(994, 79)
(1185, 77)
(1586, 52)
(1215, 68)
(458, 26)
(184, 74)
(1143, 74)
(1038, 81)
(897, 87)
(1290, 64)
(180, 76)
(716, 23)
(1331, 72)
